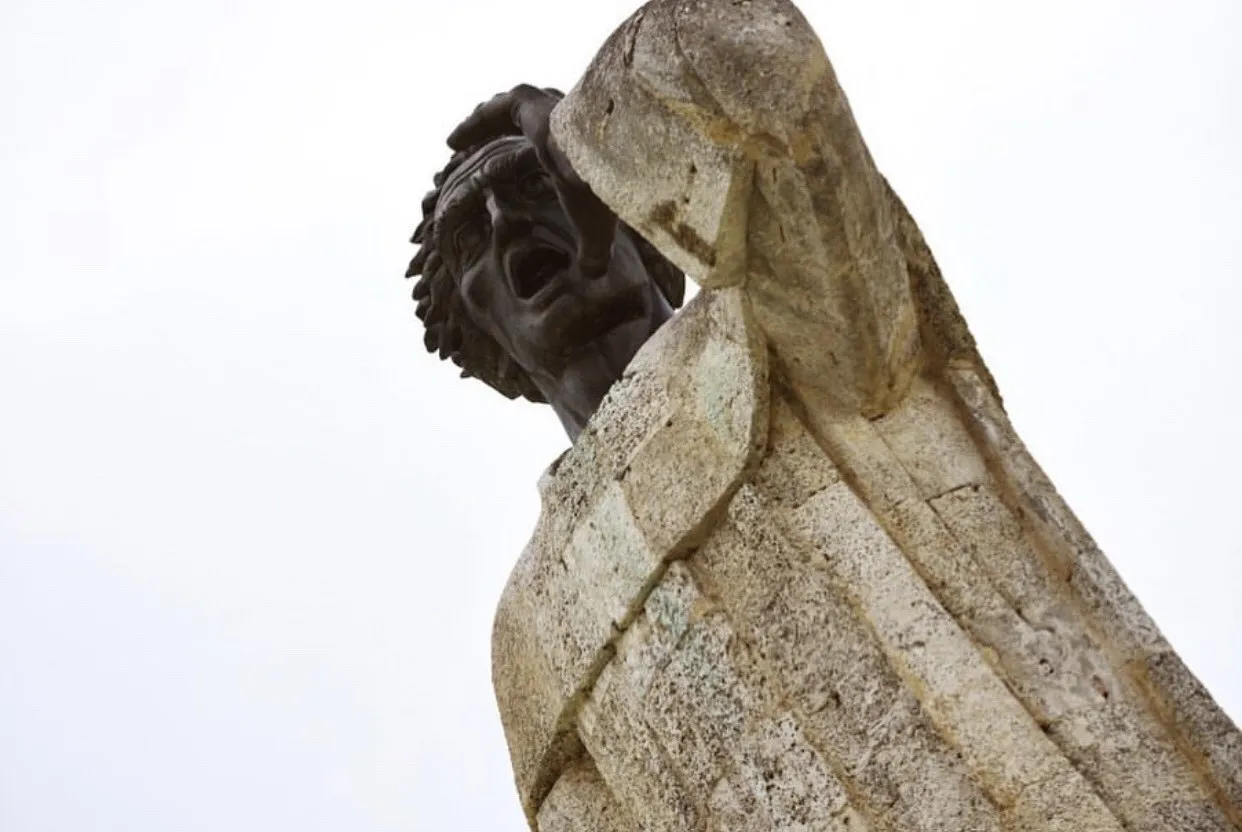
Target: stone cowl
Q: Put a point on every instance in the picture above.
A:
(799, 572)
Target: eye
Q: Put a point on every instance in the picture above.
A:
(536, 187)
(468, 241)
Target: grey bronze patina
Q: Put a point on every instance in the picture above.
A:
(528, 281)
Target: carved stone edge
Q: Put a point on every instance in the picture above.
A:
(1203, 732)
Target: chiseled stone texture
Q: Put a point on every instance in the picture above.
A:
(692, 408)
(799, 572)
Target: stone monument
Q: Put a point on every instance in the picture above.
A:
(797, 570)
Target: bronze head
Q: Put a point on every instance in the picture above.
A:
(507, 287)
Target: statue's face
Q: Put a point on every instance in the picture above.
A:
(501, 228)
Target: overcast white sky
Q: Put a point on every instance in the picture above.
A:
(251, 535)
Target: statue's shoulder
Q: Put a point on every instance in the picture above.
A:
(668, 446)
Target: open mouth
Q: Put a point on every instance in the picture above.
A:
(535, 268)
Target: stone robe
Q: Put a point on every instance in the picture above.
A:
(799, 572)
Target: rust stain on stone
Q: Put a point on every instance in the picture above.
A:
(665, 216)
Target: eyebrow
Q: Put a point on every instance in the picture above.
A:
(466, 196)
(510, 165)
(501, 162)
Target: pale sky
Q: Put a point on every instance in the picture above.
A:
(252, 535)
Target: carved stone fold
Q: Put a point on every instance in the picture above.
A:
(800, 572)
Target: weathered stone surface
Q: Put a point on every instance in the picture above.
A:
(747, 171)
(831, 669)
(581, 800)
(609, 528)
(839, 595)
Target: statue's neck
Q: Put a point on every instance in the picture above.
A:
(581, 388)
(576, 392)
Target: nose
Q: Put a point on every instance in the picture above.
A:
(508, 221)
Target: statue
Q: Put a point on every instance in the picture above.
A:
(797, 570)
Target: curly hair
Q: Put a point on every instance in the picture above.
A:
(450, 331)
